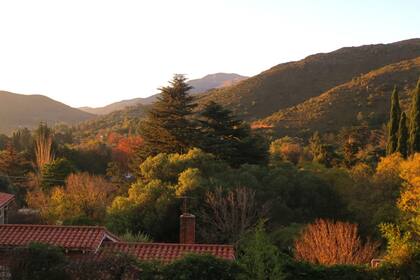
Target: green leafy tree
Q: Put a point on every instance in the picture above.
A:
(259, 257)
(226, 137)
(55, 173)
(402, 146)
(394, 121)
(415, 121)
(168, 127)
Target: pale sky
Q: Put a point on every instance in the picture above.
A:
(95, 52)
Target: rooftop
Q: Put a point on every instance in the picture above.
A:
(84, 238)
(168, 252)
(5, 198)
(90, 239)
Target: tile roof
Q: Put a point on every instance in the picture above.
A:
(5, 198)
(85, 238)
(167, 252)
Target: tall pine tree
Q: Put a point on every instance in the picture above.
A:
(394, 121)
(402, 146)
(168, 127)
(415, 121)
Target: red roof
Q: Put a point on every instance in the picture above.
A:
(167, 252)
(68, 237)
(6, 198)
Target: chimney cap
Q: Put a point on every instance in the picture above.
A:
(187, 215)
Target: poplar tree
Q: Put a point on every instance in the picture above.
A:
(394, 121)
(168, 127)
(415, 121)
(402, 146)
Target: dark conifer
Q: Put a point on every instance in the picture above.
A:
(228, 138)
(415, 121)
(394, 121)
(402, 146)
(168, 127)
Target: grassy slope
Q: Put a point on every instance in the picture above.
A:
(363, 99)
(292, 83)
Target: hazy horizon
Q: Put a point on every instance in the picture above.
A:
(99, 52)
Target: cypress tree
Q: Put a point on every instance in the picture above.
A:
(168, 127)
(415, 121)
(394, 121)
(402, 146)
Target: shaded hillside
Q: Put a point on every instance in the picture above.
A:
(211, 81)
(18, 110)
(122, 121)
(117, 106)
(289, 84)
(365, 99)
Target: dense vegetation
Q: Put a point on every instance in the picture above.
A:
(288, 192)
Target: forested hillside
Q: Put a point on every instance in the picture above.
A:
(291, 83)
(363, 100)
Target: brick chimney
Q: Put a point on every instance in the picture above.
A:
(187, 229)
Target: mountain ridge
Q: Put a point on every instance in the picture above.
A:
(364, 99)
(291, 83)
(20, 110)
(210, 81)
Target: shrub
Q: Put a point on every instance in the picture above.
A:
(293, 270)
(108, 266)
(330, 243)
(38, 261)
(203, 267)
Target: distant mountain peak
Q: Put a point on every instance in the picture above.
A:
(211, 81)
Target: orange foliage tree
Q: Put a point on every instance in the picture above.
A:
(125, 149)
(330, 243)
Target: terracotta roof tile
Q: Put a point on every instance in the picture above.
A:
(67, 237)
(5, 198)
(167, 252)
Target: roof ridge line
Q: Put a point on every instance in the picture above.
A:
(170, 244)
(53, 226)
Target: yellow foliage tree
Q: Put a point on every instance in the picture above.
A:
(83, 200)
(409, 202)
(403, 239)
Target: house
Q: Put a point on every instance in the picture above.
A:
(93, 241)
(7, 201)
